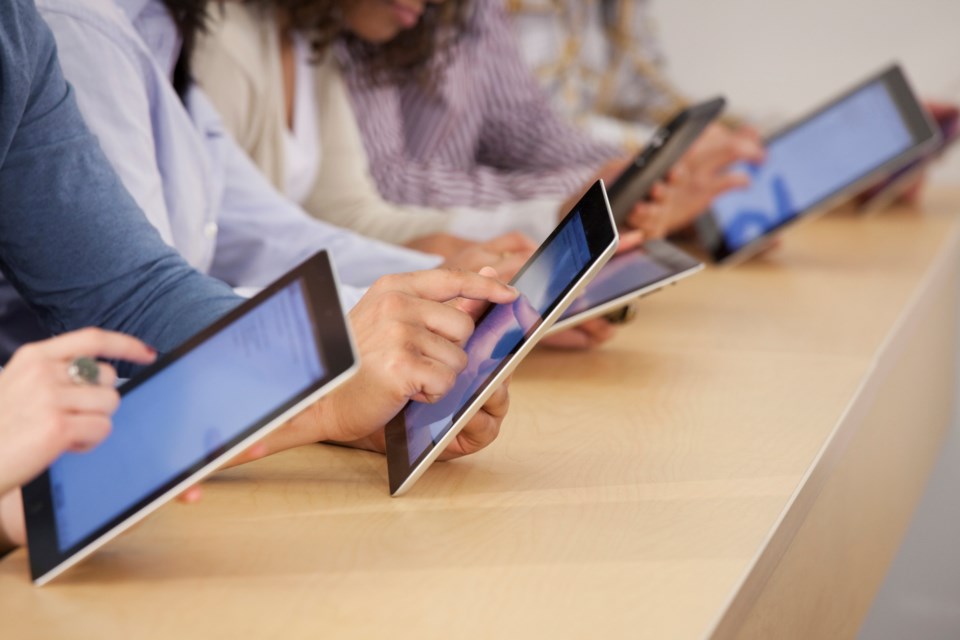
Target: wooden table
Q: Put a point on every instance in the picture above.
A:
(742, 461)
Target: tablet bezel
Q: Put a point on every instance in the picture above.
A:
(337, 352)
(681, 265)
(918, 122)
(671, 140)
(602, 239)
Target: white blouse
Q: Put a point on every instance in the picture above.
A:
(303, 154)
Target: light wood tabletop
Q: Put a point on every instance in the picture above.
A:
(741, 461)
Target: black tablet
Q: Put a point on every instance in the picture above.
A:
(666, 147)
(567, 260)
(870, 131)
(628, 276)
(190, 412)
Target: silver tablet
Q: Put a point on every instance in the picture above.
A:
(629, 276)
(556, 274)
(192, 411)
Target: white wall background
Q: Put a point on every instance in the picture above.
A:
(774, 59)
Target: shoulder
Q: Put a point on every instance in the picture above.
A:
(100, 28)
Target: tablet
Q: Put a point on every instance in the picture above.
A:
(628, 276)
(869, 131)
(190, 412)
(890, 188)
(666, 147)
(567, 260)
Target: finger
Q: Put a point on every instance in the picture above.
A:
(89, 399)
(473, 308)
(679, 175)
(431, 345)
(108, 375)
(510, 242)
(569, 340)
(191, 495)
(443, 285)
(598, 330)
(446, 321)
(630, 240)
(255, 452)
(432, 380)
(483, 428)
(476, 308)
(650, 218)
(97, 343)
(728, 181)
(85, 431)
(659, 192)
(498, 404)
(509, 265)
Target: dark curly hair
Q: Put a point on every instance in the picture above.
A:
(190, 17)
(416, 53)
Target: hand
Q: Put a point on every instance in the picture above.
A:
(45, 413)
(441, 244)
(411, 348)
(911, 194)
(697, 179)
(483, 428)
(586, 335)
(506, 254)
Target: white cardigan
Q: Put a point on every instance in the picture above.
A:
(237, 63)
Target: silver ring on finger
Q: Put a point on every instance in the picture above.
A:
(84, 371)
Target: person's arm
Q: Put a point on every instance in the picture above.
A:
(263, 234)
(115, 106)
(72, 241)
(489, 182)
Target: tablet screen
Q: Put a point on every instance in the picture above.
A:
(188, 412)
(813, 161)
(196, 405)
(632, 273)
(542, 283)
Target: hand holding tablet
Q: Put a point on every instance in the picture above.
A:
(566, 261)
(185, 416)
(868, 132)
(411, 344)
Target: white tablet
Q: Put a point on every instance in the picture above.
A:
(628, 276)
(566, 262)
(868, 132)
(190, 412)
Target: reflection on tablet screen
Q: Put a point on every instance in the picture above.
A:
(624, 274)
(181, 416)
(812, 162)
(500, 332)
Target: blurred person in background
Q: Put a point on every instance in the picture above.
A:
(603, 65)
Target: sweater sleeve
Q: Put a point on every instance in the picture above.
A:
(518, 147)
(72, 240)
